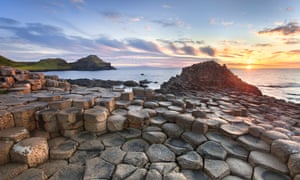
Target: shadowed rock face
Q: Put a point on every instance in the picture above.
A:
(208, 76)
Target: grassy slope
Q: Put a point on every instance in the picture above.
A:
(51, 64)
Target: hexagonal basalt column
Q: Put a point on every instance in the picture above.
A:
(70, 121)
(32, 151)
(95, 119)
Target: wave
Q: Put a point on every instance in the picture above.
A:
(283, 85)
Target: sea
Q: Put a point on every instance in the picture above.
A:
(279, 83)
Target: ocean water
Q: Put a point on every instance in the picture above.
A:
(279, 83)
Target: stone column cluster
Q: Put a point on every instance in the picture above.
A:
(23, 82)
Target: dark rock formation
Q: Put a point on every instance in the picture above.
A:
(208, 76)
(91, 62)
(95, 83)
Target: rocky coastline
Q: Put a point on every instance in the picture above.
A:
(51, 129)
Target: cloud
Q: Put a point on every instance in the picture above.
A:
(172, 22)
(212, 21)
(113, 43)
(289, 9)
(227, 23)
(142, 45)
(291, 40)
(291, 28)
(77, 1)
(263, 45)
(112, 15)
(166, 6)
(189, 50)
(8, 21)
(136, 19)
(208, 50)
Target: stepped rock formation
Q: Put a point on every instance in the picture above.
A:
(208, 76)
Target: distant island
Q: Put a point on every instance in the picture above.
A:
(89, 63)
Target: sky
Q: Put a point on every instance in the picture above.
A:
(164, 33)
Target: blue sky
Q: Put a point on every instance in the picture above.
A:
(241, 33)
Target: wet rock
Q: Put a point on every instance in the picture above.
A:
(212, 150)
(139, 174)
(121, 104)
(6, 120)
(283, 148)
(267, 160)
(84, 102)
(74, 172)
(131, 133)
(138, 118)
(170, 116)
(151, 104)
(175, 176)
(135, 145)
(185, 121)
(32, 151)
(5, 147)
(153, 174)
(63, 150)
(199, 126)
(113, 155)
(194, 175)
(97, 168)
(83, 137)
(155, 137)
(172, 130)
(164, 168)
(232, 178)
(253, 143)
(235, 130)
(52, 166)
(193, 138)
(108, 102)
(91, 145)
(234, 149)
(95, 119)
(32, 174)
(123, 171)
(47, 120)
(261, 173)
(178, 146)
(157, 121)
(216, 169)
(294, 164)
(10, 170)
(59, 105)
(138, 159)
(190, 160)
(70, 119)
(116, 123)
(80, 157)
(111, 140)
(270, 136)
(24, 116)
(239, 168)
(160, 153)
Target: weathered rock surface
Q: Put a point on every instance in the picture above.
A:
(32, 151)
(160, 153)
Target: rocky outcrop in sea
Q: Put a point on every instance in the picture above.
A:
(98, 133)
(208, 76)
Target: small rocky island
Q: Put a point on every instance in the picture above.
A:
(200, 126)
(89, 63)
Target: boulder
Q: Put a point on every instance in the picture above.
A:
(206, 76)
(32, 151)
